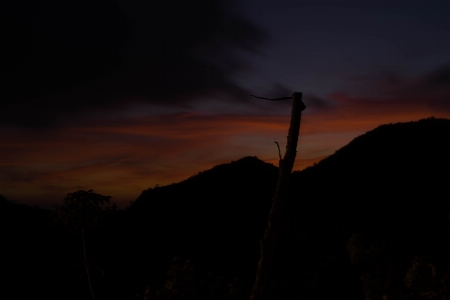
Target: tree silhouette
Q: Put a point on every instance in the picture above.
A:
(277, 222)
(82, 210)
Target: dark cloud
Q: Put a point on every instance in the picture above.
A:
(65, 56)
(387, 77)
(315, 102)
(433, 88)
(277, 90)
(378, 83)
(439, 78)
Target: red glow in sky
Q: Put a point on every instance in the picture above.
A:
(121, 110)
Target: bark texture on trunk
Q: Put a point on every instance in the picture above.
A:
(278, 216)
(86, 263)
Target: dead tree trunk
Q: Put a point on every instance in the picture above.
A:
(278, 215)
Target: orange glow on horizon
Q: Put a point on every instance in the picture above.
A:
(123, 158)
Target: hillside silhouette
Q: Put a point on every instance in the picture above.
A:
(383, 174)
(389, 186)
(246, 185)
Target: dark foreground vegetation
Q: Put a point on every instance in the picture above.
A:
(370, 221)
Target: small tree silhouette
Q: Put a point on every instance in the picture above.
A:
(83, 209)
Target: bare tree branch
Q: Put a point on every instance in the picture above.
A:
(276, 99)
(279, 152)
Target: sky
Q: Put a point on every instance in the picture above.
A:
(119, 96)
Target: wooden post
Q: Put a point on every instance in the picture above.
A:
(278, 215)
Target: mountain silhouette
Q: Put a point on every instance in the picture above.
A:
(238, 192)
(391, 183)
(393, 168)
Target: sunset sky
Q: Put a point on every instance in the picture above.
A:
(118, 96)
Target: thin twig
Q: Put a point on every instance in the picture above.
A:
(279, 152)
(276, 99)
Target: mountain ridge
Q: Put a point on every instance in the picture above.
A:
(390, 183)
(391, 146)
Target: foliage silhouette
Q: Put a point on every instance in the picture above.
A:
(82, 210)
(184, 281)
(386, 278)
